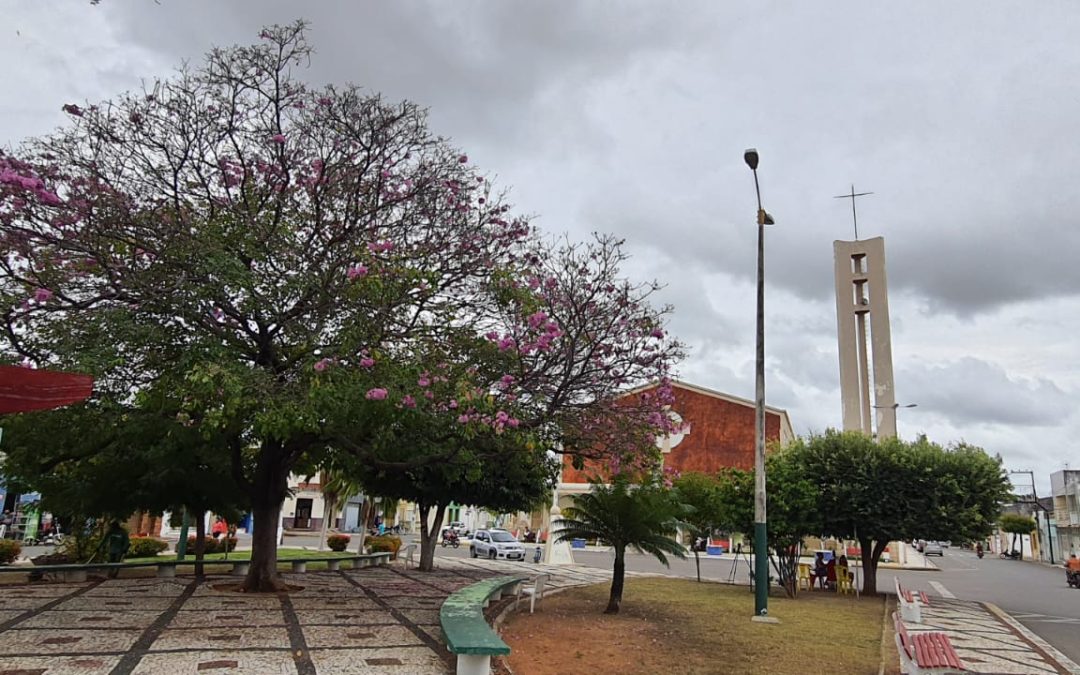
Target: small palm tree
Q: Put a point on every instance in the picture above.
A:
(643, 517)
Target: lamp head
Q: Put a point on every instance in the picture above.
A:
(751, 158)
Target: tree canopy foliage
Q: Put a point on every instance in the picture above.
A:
(307, 271)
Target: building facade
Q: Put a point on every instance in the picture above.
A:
(717, 433)
(1065, 487)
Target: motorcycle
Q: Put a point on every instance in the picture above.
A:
(979, 553)
(1072, 577)
(450, 538)
(1010, 555)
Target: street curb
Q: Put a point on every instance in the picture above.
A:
(1064, 662)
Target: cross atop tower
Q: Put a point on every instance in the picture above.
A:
(854, 216)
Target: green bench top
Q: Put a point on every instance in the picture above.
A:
(462, 618)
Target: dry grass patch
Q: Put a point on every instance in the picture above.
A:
(681, 626)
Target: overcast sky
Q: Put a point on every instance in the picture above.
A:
(963, 118)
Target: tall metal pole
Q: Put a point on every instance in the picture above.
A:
(761, 542)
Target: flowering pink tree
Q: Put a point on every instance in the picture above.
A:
(237, 234)
(311, 271)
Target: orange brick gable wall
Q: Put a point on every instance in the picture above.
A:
(721, 436)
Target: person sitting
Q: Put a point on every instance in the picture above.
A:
(1073, 564)
(830, 573)
(219, 528)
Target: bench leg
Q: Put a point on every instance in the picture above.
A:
(240, 569)
(74, 576)
(166, 571)
(333, 565)
(299, 566)
(473, 664)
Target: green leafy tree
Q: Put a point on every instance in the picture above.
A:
(889, 490)
(704, 513)
(792, 511)
(1017, 525)
(623, 515)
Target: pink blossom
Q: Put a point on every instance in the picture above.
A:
(42, 295)
(49, 198)
(357, 271)
(380, 246)
(506, 343)
(408, 401)
(536, 319)
(72, 109)
(322, 364)
(463, 419)
(657, 333)
(367, 362)
(424, 381)
(377, 394)
(492, 335)
(429, 395)
(507, 380)
(463, 159)
(453, 405)
(324, 100)
(218, 313)
(278, 138)
(265, 34)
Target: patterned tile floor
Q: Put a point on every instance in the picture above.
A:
(374, 620)
(989, 641)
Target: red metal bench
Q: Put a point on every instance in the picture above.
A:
(925, 652)
(911, 602)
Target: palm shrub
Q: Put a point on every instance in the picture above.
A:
(623, 514)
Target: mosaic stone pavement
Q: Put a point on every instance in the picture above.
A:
(989, 641)
(373, 620)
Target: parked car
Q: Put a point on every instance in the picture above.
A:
(933, 548)
(496, 544)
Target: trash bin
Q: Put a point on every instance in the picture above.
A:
(577, 543)
(714, 550)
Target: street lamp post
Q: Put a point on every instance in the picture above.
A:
(761, 542)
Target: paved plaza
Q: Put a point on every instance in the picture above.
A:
(990, 641)
(374, 620)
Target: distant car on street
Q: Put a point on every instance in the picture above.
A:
(933, 548)
(496, 544)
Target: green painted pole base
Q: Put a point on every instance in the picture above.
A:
(761, 570)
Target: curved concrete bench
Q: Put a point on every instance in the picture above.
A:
(467, 631)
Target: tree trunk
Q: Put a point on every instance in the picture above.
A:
(870, 566)
(697, 563)
(618, 575)
(429, 535)
(269, 488)
(200, 543)
(364, 509)
(330, 503)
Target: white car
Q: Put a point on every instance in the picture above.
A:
(933, 548)
(496, 544)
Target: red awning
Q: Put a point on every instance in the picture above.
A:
(23, 389)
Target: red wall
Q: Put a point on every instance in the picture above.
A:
(721, 435)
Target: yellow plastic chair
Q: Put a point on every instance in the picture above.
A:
(843, 581)
(804, 577)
